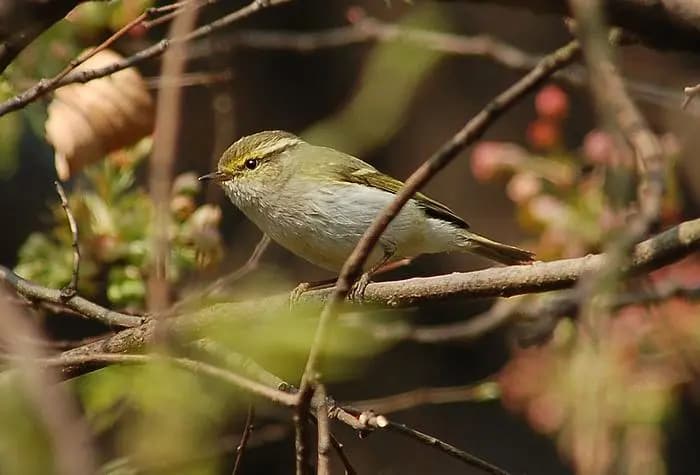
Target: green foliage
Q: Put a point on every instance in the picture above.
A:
(10, 132)
(161, 415)
(24, 444)
(114, 217)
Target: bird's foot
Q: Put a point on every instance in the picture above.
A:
(303, 287)
(357, 291)
(296, 293)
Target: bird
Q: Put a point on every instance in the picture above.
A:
(317, 202)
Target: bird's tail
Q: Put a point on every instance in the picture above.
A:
(496, 251)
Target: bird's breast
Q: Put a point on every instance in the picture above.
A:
(323, 224)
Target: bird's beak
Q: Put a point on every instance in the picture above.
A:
(217, 176)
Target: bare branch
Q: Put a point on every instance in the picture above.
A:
(157, 49)
(72, 288)
(339, 449)
(219, 284)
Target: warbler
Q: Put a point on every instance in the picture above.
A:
(317, 202)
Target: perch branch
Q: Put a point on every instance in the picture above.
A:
(664, 248)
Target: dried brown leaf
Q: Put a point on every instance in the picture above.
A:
(87, 121)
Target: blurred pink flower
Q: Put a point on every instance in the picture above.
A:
(523, 186)
(548, 209)
(599, 147)
(489, 158)
(552, 103)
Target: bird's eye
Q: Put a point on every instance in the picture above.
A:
(251, 163)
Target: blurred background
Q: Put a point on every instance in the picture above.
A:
(532, 181)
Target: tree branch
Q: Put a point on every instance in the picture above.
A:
(30, 95)
(80, 305)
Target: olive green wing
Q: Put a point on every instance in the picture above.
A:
(369, 176)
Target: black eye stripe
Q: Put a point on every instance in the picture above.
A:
(251, 163)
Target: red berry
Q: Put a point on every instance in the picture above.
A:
(552, 103)
(543, 134)
(355, 14)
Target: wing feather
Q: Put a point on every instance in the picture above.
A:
(365, 174)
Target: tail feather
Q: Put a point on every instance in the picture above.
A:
(496, 251)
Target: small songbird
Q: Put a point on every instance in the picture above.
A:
(317, 202)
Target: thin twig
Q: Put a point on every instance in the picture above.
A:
(177, 8)
(324, 433)
(250, 265)
(223, 282)
(71, 289)
(340, 450)
(165, 138)
(46, 85)
(467, 135)
(30, 95)
(482, 391)
(372, 29)
(245, 436)
(446, 448)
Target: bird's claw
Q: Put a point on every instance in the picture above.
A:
(296, 293)
(357, 291)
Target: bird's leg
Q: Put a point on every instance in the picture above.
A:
(357, 292)
(296, 293)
